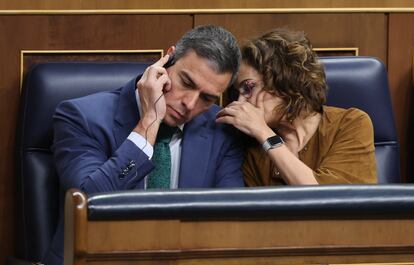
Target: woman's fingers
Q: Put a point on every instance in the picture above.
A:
(230, 109)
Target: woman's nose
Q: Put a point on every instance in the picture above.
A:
(241, 98)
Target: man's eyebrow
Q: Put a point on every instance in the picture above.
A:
(188, 79)
(193, 84)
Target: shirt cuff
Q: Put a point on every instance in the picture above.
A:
(141, 143)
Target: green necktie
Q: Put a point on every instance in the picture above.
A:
(159, 178)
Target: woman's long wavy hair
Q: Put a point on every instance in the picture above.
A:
(290, 70)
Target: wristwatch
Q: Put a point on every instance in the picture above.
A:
(272, 142)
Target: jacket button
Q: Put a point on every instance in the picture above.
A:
(131, 164)
(124, 173)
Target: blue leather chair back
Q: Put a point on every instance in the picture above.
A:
(362, 82)
(44, 87)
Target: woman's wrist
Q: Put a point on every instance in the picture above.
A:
(263, 134)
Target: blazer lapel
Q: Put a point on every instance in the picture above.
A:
(127, 115)
(195, 153)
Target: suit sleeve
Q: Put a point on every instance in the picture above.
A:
(83, 160)
(229, 172)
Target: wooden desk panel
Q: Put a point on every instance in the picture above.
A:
(246, 242)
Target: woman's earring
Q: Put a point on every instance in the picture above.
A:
(290, 110)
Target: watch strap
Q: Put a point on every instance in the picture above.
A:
(272, 142)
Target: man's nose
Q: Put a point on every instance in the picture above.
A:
(191, 99)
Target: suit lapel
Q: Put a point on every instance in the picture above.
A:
(127, 115)
(196, 144)
(195, 153)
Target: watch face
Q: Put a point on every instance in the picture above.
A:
(274, 140)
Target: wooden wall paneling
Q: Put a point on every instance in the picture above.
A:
(368, 32)
(9, 99)
(116, 31)
(200, 4)
(67, 32)
(400, 72)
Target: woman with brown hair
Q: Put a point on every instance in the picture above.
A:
(296, 138)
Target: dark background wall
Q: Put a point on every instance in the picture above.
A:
(377, 28)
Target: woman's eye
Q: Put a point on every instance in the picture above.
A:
(204, 98)
(207, 99)
(248, 86)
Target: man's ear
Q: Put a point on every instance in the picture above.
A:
(171, 60)
(171, 50)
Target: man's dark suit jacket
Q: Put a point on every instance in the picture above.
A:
(92, 151)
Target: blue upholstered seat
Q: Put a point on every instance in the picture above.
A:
(44, 87)
(362, 82)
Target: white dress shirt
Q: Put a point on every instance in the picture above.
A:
(148, 149)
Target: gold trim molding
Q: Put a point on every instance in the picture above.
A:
(354, 50)
(207, 11)
(399, 263)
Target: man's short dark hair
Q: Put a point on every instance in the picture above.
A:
(215, 44)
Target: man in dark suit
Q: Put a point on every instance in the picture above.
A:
(105, 142)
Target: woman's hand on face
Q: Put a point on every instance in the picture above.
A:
(246, 117)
